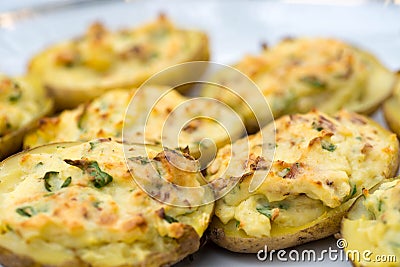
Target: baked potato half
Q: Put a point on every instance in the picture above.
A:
(77, 204)
(22, 104)
(372, 227)
(321, 165)
(391, 109)
(83, 68)
(174, 121)
(300, 74)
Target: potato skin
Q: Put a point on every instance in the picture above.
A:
(391, 109)
(188, 244)
(238, 224)
(322, 229)
(11, 143)
(174, 250)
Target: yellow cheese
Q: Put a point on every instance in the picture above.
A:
(297, 75)
(20, 104)
(80, 69)
(79, 201)
(319, 163)
(155, 115)
(372, 229)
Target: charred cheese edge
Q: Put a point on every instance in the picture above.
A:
(82, 68)
(22, 102)
(373, 225)
(320, 163)
(300, 74)
(78, 205)
(170, 117)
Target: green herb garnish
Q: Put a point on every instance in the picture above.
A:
(26, 211)
(96, 204)
(283, 206)
(317, 127)
(81, 118)
(67, 182)
(170, 219)
(237, 224)
(142, 160)
(353, 191)
(380, 204)
(265, 210)
(15, 96)
(328, 146)
(50, 182)
(39, 164)
(314, 82)
(99, 178)
(47, 180)
(92, 145)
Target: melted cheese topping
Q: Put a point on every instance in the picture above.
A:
(377, 226)
(103, 59)
(169, 118)
(297, 75)
(112, 223)
(20, 104)
(320, 162)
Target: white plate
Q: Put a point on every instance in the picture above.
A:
(235, 28)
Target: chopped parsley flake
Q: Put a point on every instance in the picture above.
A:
(317, 127)
(353, 191)
(328, 146)
(142, 160)
(314, 82)
(47, 180)
(26, 211)
(98, 177)
(265, 210)
(67, 182)
(170, 219)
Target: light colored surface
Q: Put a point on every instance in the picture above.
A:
(235, 28)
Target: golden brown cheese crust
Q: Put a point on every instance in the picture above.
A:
(299, 74)
(79, 204)
(22, 103)
(373, 224)
(83, 68)
(107, 115)
(320, 163)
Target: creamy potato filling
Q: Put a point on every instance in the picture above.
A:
(373, 224)
(320, 162)
(80, 201)
(20, 104)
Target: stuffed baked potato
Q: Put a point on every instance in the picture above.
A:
(321, 165)
(171, 121)
(77, 204)
(372, 227)
(299, 74)
(80, 69)
(22, 104)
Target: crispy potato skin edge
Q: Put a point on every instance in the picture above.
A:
(188, 244)
(325, 228)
